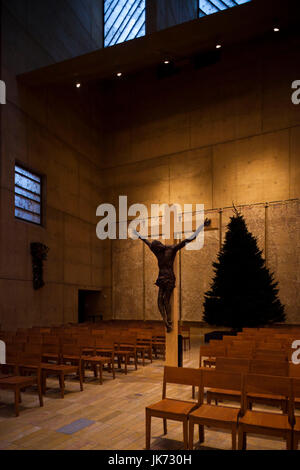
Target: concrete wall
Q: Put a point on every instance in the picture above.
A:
(55, 132)
(212, 136)
(38, 33)
(223, 134)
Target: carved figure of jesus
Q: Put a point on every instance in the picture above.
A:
(166, 280)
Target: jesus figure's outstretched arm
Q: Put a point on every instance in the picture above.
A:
(145, 240)
(193, 237)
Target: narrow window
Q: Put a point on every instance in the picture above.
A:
(208, 7)
(28, 193)
(123, 20)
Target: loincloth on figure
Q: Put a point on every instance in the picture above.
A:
(166, 282)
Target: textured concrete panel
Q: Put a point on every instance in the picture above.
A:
(295, 163)
(191, 177)
(252, 170)
(284, 254)
(127, 279)
(197, 273)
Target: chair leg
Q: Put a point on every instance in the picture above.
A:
(191, 434)
(242, 441)
(234, 437)
(113, 369)
(148, 430)
(201, 433)
(80, 376)
(40, 393)
(136, 361)
(44, 382)
(165, 427)
(289, 441)
(208, 398)
(101, 373)
(17, 400)
(186, 434)
(194, 388)
(295, 441)
(62, 385)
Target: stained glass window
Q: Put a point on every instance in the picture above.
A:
(208, 7)
(123, 20)
(28, 191)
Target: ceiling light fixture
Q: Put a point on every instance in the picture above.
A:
(78, 85)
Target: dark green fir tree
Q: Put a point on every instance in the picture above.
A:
(244, 292)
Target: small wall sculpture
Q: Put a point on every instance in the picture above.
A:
(39, 253)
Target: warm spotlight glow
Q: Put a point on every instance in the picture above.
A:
(276, 29)
(119, 74)
(218, 46)
(166, 62)
(78, 85)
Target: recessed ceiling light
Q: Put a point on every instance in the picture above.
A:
(78, 85)
(276, 29)
(166, 62)
(218, 46)
(119, 74)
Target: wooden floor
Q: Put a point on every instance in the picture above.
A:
(109, 417)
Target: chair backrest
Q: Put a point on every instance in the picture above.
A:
(211, 351)
(181, 376)
(51, 348)
(265, 384)
(71, 349)
(273, 355)
(30, 359)
(294, 370)
(239, 352)
(232, 364)
(268, 367)
(33, 348)
(50, 339)
(220, 379)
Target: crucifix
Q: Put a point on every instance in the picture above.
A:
(168, 294)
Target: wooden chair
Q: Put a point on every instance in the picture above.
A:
(296, 419)
(159, 344)
(260, 422)
(19, 383)
(51, 351)
(294, 371)
(228, 365)
(185, 332)
(144, 345)
(208, 354)
(176, 410)
(125, 349)
(60, 371)
(274, 368)
(216, 416)
(104, 355)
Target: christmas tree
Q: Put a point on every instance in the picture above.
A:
(243, 292)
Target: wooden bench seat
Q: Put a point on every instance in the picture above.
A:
(18, 383)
